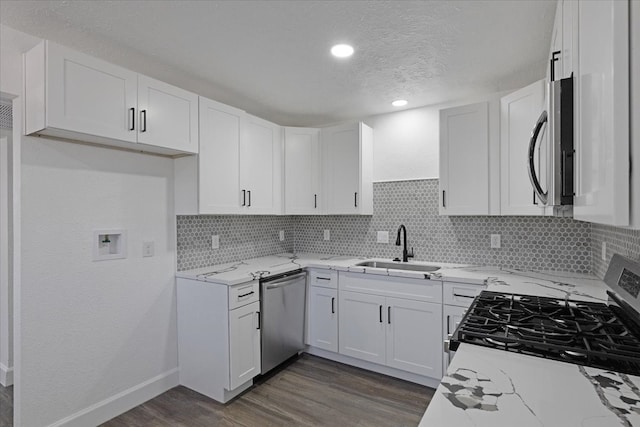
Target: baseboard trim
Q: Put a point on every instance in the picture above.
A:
(122, 402)
(6, 376)
(385, 370)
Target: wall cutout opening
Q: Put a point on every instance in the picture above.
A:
(109, 244)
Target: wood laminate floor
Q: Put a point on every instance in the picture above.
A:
(309, 391)
(6, 406)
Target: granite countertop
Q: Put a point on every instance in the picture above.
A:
(486, 387)
(550, 284)
(483, 386)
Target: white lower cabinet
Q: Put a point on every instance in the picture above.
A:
(400, 333)
(244, 344)
(362, 329)
(413, 335)
(218, 337)
(323, 318)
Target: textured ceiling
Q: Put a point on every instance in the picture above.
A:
(271, 58)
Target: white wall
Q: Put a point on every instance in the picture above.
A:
(92, 338)
(406, 143)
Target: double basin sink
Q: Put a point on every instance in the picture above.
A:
(399, 266)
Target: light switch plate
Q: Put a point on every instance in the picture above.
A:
(326, 235)
(215, 241)
(495, 241)
(281, 235)
(383, 237)
(148, 249)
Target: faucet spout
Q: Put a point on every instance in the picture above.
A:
(405, 253)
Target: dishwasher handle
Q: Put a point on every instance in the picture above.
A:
(286, 281)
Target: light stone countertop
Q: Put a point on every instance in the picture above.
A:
(483, 386)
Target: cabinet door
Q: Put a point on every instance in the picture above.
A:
(219, 158)
(244, 344)
(260, 166)
(414, 336)
(323, 318)
(452, 316)
(464, 160)
(519, 112)
(362, 327)
(302, 171)
(341, 164)
(602, 151)
(89, 96)
(168, 116)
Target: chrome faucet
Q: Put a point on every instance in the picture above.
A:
(405, 254)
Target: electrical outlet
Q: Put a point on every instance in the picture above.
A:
(383, 237)
(215, 241)
(327, 235)
(148, 249)
(282, 235)
(495, 241)
(604, 251)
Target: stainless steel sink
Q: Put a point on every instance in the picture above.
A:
(398, 266)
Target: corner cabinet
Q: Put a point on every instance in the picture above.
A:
(519, 112)
(218, 337)
(302, 171)
(77, 97)
(348, 169)
(238, 169)
(468, 152)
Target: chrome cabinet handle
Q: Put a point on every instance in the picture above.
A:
(389, 314)
(132, 119)
(315, 201)
(444, 204)
(143, 120)
(245, 295)
(355, 199)
(333, 305)
(259, 320)
(380, 314)
(249, 191)
(448, 324)
(244, 197)
(463, 296)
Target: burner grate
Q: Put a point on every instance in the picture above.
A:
(573, 331)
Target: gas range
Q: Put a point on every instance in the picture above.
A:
(593, 334)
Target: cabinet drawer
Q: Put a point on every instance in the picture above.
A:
(323, 278)
(460, 294)
(243, 294)
(399, 287)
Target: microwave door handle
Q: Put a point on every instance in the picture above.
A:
(535, 182)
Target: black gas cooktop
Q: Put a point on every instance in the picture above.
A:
(594, 334)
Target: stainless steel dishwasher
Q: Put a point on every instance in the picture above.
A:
(282, 307)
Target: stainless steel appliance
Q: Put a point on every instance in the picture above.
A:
(557, 157)
(594, 334)
(282, 307)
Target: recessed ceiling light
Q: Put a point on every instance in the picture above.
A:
(399, 103)
(342, 51)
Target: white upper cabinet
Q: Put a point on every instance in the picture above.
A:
(464, 160)
(519, 112)
(602, 127)
(75, 96)
(302, 162)
(168, 116)
(238, 169)
(261, 167)
(348, 169)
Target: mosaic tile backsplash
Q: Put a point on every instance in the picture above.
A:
(241, 237)
(619, 240)
(539, 243)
